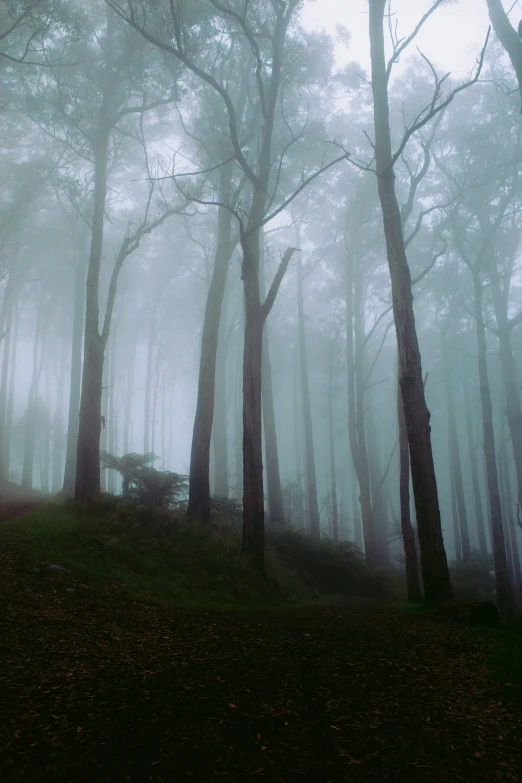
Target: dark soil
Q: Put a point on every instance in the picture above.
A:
(95, 686)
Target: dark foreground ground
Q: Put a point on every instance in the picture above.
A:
(97, 687)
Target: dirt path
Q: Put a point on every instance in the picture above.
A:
(97, 687)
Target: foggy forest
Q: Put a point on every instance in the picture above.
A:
(260, 347)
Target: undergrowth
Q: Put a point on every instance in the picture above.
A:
(161, 554)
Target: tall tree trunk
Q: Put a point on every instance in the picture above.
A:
(128, 398)
(199, 492)
(149, 375)
(311, 479)
(58, 434)
(472, 456)
(356, 408)
(408, 534)
(89, 429)
(331, 441)
(30, 429)
(273, 479)
(253, 538)
(69, 480)
(112, 418)
(10, 402)
(301, 516)
(455, 517)
(508, 507)
(379, 491)
(504, 596)
(511, 388)
(6, 356)
(219, 424)
(434, 565)
(454, 449)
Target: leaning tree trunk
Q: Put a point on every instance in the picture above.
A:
(408, 533)
(434, 564)
(199, 492)
(311, 479)
(504, 596)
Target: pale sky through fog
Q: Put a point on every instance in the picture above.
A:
(452, 37)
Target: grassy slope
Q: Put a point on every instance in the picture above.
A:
(149, 554)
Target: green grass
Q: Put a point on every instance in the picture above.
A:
(151, 553)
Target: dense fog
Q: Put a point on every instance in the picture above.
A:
(179, 178)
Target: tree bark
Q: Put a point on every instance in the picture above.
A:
(89, 428)
(10, 402)
(408, 533)
(472, 455)
(58, 433)
(76, 376)
(331, 441)
(219, 423)
(454, 450)
(199, 492)
(503, 586)
(273, 479)
(434, 565)
(356, 412)
(311, 479)
(6, 356)
(507, 36)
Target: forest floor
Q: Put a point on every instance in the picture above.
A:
(98, 686)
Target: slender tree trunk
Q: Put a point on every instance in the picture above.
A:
(219, 424)
(10, 402)
(129, 395)
(504, 596)
(58, 434)
(358, 533)
(89, 430)
(311, 480)
(76, 377)
(30, 429)
(379, 491)
(273, 479)
(301, 516)
(356, 411)
(475, 486)
(199, 493)
(112, 418)
(434, 565)
(513, 406)
(454, 450)
(6, 355)
(331, 440)
(408, 534)
(151, 344)
(455, 517)
(253, 539)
